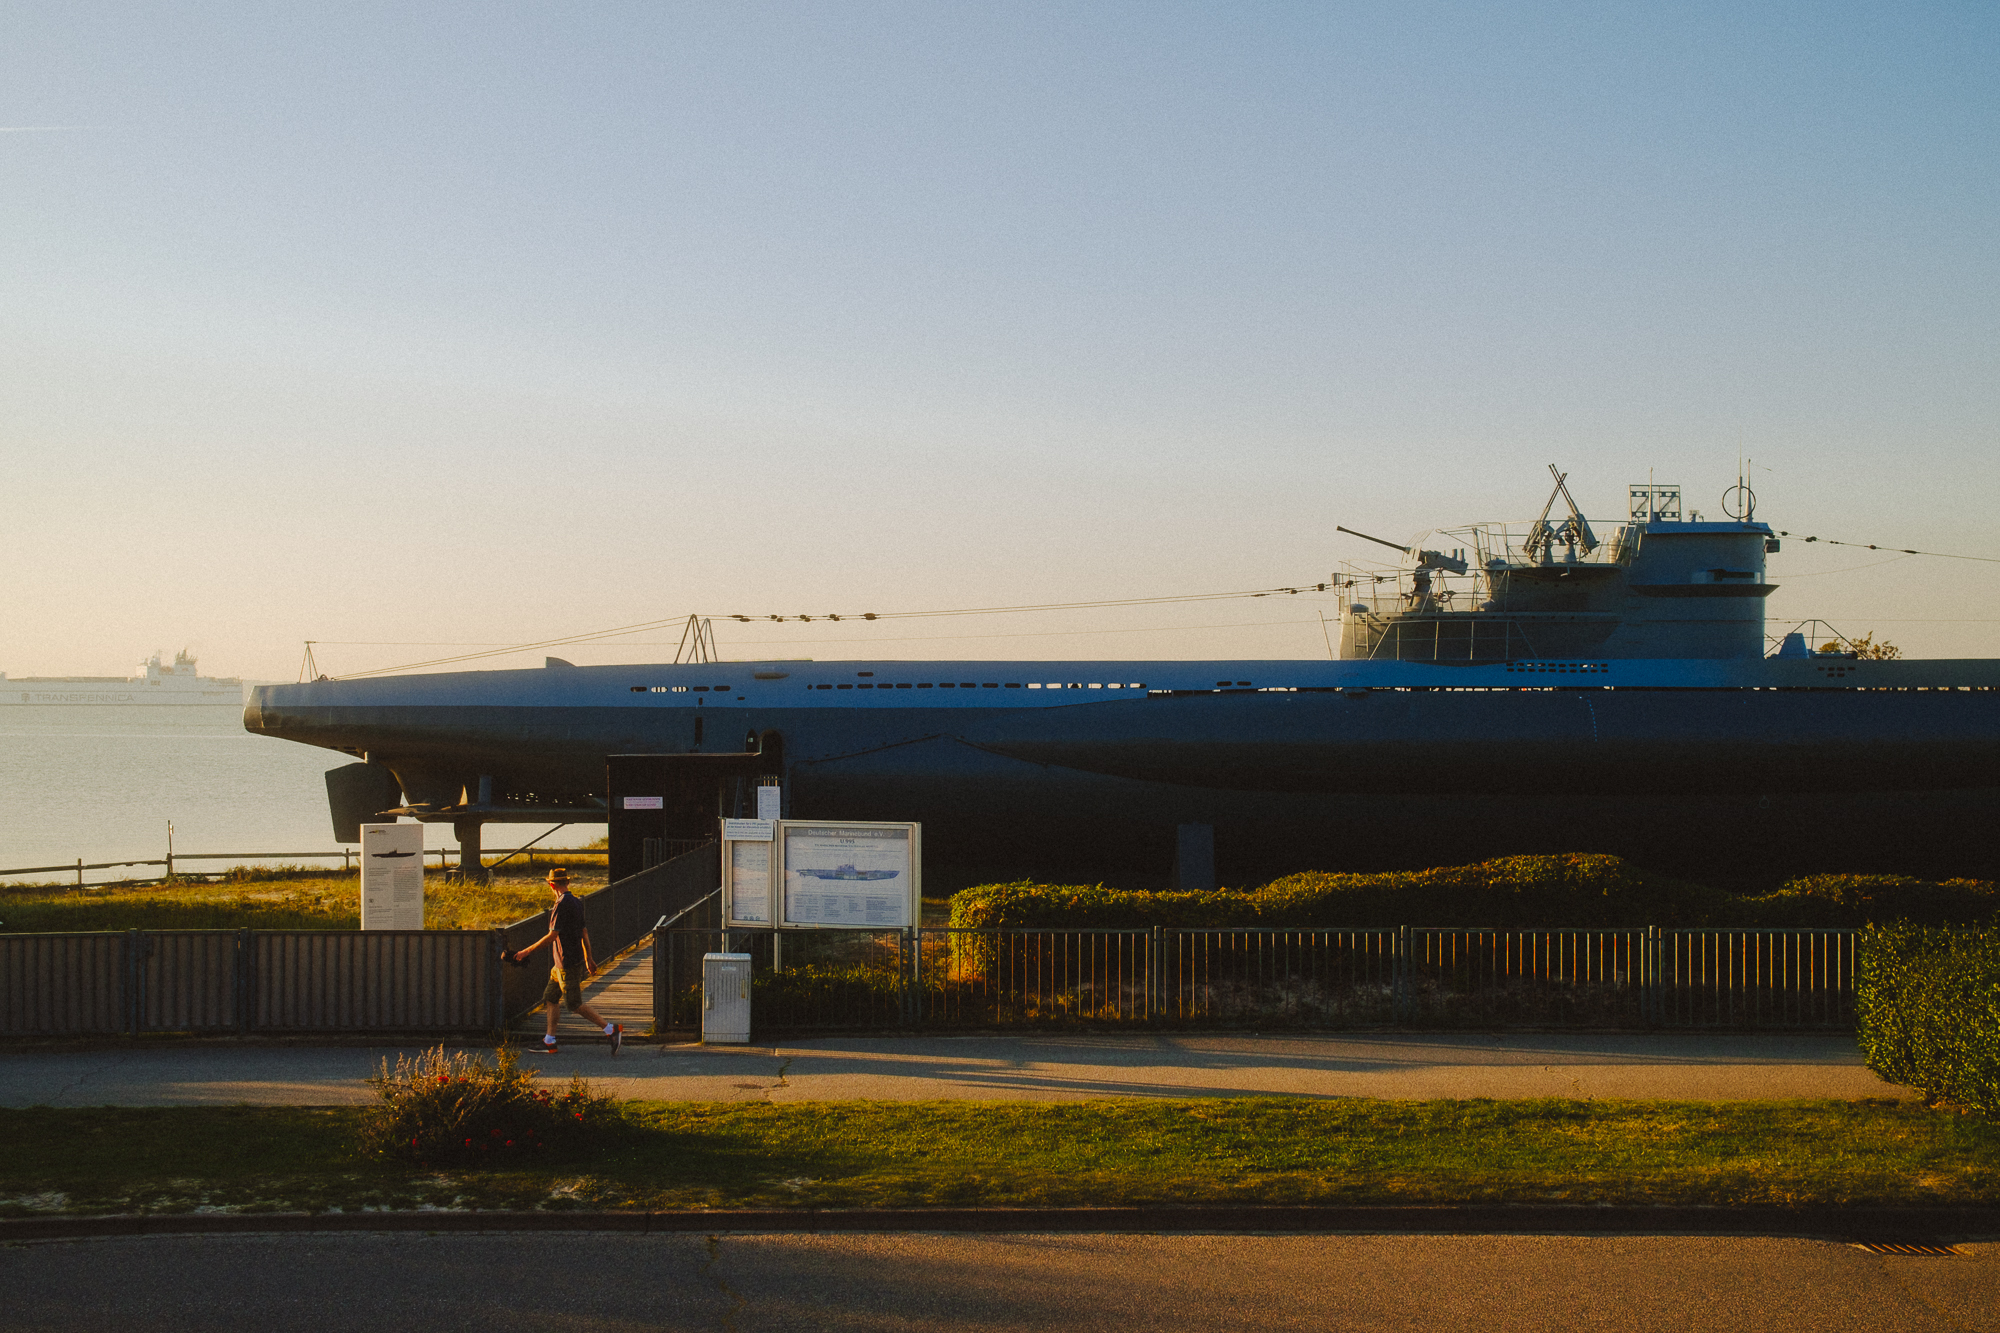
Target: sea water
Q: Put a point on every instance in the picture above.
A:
(100, 783)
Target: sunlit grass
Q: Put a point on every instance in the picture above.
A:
(282, 898)
(883, 1154)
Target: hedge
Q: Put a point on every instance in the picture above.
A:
(1927, 1011)
(1857, 900)
(1575, 889)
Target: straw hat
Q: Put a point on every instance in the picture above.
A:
(559, 877)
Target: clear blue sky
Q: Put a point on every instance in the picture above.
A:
(406, 324)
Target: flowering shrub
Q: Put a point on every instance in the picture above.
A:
(451, 1108)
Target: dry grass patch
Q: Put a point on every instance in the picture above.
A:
(280, 898)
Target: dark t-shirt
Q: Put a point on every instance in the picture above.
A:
(567, 920)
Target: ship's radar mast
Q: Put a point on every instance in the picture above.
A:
(1739, 501)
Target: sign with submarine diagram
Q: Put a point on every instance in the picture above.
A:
(392, 876)
(862, 876)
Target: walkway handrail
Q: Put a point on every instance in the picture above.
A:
(665, 923)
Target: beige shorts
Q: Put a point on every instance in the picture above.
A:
(563, 989)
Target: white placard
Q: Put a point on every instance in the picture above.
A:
(853, 875)
(746, 883)
(746, 830)
(392, 876)
(768, 803)
(645, 802)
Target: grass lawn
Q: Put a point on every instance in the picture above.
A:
(284, 898)
(299, 898)
(887, 1154)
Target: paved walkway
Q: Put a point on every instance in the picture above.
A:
(1048, 1067)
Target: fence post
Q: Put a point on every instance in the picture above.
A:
(1650, 978)
(1149, 990)
(906, 993)
(241, 982)
(496, 993)
(1399, 987)
(663, 963)
(135, 984)
(126, 986)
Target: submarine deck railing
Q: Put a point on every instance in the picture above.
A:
(1404, 976)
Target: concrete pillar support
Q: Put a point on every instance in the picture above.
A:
(470, 868)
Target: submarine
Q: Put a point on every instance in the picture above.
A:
(1516, 688)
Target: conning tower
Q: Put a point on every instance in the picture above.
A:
(1662, 586)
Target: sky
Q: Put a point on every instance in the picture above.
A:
(411, 327)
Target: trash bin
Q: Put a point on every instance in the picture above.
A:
(725, 997)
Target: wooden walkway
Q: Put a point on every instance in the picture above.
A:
(623, 993)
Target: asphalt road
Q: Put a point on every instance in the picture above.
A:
(589, 1282)
(1699, 1067)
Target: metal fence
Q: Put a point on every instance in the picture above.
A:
(141, 981)
(454, 981)
(300, 981)
(64, 983)
(1317, 978)
(377, 980)
(826, 979)
(1557, 978)
(998, 977)
(1435, 977)
(1754, 978)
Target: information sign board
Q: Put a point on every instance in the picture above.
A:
(864, 875)
(746, 881)
(392, 876)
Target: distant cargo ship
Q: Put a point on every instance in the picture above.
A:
(158, 684)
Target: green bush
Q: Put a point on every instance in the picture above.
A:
(1026, 904)
(1858, 900)
(1568, 890)
(1576, 889)
(1927, 1011)
(450, 1108)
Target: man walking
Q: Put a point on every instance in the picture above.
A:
(572, 963)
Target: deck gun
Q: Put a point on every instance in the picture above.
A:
(1573, 531)
(1450, 564)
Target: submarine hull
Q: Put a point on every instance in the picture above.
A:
(1738, 781)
